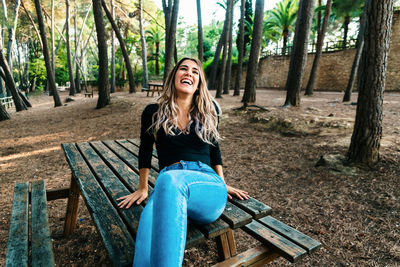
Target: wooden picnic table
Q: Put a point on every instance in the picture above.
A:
(154, 87)
(103, 171)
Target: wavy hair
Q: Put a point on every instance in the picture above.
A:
(202, 112)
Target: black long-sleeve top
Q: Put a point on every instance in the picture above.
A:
(171, 149)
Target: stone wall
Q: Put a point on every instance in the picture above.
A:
(334, 67)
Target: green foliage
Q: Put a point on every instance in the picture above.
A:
(281, 20)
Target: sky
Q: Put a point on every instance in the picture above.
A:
(209, 10)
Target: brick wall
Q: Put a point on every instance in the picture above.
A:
(334, 67)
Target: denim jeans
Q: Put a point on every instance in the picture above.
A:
(186, 190)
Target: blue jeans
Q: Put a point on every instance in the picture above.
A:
(185, 190)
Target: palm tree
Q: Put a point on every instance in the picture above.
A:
(346, 10)
(155, 36)
(282, 19)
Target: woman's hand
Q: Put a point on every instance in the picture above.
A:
(128, 200)
(240, 194)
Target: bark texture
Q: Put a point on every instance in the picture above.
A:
(69, 60)
(145, 83)
(298, 57)
(171, 18)
(249, 95)
(199, 32)
(367, 134)
(236, 91)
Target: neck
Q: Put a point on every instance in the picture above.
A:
(184, 104)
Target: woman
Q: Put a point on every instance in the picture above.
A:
(184, 126)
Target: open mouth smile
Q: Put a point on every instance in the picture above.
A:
(187, 81)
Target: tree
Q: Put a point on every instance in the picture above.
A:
(69, 60)
(320, 43)
(282, 20)
(171, 18)
(346, 10)
(4, 114)
(299, 53)
(248, 18)
(199, 31)
(228, 69)
(144, 51)
(125, 54)
(356, 61)
(367, 133)
(10, 84)
(112, 89)
(236, 91)
(249, 95)
(11, 34)
(155, 37)
(104, 90)
(50, 76)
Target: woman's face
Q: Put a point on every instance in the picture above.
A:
(187, 78)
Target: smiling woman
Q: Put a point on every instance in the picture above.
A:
(184, 127)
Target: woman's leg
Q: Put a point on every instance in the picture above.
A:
(177, 195)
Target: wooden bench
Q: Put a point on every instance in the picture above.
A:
(153, 87)
(103, 171)
(7, 101)
(29, 231)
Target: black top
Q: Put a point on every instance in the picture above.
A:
(171, 149)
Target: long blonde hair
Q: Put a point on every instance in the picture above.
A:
(202, 112)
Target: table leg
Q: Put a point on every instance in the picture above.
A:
(72, 208)
(226, 245)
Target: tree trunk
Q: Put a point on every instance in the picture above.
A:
(112, 89)
(320, 43)
(132, 88)
(356, 61)
(249, 95)
(228, 69)
(3, 113)
(77, 78)
(3, 26)
(104, 90)
(236, 91)
(200, 48)
(285, 40)
(157, 59)
(10, 84)
(171, 17)
(225, 51)
(144, 50)
(11, 35)
(53, 55)
(52, 83)
(367, 134)
(69, 60)
(346, 30)
(298, 57)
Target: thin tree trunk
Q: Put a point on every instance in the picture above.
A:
(249, 95)
(171, 18)
(356, 61)
(299, 53)
(367, 134)
(228, 69)
(320, 43)
(52, 84)
(77, 78)
(157, 59)
(33, 24)
(4, 114)
(200, 48)
(53, 56)
(11, 35)
(112, 89)
(10, 84)
(69, 60)
(132, 88)
(346, 30)
(3, 26)
(144, 50)
(104, 90)
(240, 49)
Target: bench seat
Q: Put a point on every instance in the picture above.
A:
(39, 240)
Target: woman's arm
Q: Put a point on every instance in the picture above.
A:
(242, 195)
(139, 195)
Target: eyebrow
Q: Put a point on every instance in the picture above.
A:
(183, 65)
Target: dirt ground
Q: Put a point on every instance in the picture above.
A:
(354, 213)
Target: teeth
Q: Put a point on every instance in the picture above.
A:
(187, 82)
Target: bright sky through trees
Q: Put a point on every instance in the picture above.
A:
(209, 10)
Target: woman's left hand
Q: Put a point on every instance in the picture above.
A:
(240, 194)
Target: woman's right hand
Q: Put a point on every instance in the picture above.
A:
(128, 200)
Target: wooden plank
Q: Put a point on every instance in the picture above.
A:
(135, 151)
(193, 236)
(72, 207)
(17, 245)
(214, 229)
(112, 185)
(223, 247)
(295, 236)
(231, 242)
(117, 240)
(129, 159)
(235, 216)
(283, 246)
(252, 206)
(42, 250)
(253, 257)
